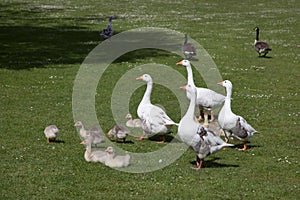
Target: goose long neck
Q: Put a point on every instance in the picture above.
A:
(88, 151)
(146, 97)
(191, 110)
(190, 75)
(89, 146)
(82, 128)
(185, 39)
(110, 155)
(228, 97)
(257, 35)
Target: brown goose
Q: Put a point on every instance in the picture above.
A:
(188, 49)
(261, 47)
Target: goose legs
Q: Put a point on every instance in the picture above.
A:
(244, 148)
(144, 134)
(212, 118)
(240, 149)
(142, 137)
(163, 139)
(199, 164)
(201, 112)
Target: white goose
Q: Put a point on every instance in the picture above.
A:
(51, 132)
(132, 122)
(116, 161)
(203, 141)
(206, 98)
(154, 119)
(93, 156)
(232, 123)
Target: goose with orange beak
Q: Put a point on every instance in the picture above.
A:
(195, 135)
(206, 98)
(231, 123)
(154, 119)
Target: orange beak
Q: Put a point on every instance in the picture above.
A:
(179, 63)
(83, 142)
(183, 87)
(220, 83)
(139, 78)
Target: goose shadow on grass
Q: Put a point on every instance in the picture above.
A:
(239, 146)
(168, 139)
(211, 163)
(122, 142)
(267, 57)
(56, 141)
(59, 141)
(26, 47)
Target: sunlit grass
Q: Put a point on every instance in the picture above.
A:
(43, 45)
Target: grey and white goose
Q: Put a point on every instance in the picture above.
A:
(261, 47)
(188, 49)
(108, 32)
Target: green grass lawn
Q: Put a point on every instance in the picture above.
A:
(43, 44)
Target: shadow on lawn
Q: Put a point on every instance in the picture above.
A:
(212, 164)
(25, 47)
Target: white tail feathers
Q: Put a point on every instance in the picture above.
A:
(213, 149)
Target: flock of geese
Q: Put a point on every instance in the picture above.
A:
(188, 50)
(204, 138)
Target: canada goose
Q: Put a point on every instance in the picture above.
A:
(188, 49)
(108, 32)
(261, 47)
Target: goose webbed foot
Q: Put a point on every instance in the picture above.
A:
(142, 137)
(244, 148)
(226, 140)
(199, 164)
(163, 140)
(212, 118)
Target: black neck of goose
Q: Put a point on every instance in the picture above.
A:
(257, 33)
(185, 39)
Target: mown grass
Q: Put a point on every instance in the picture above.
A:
(44, 43)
